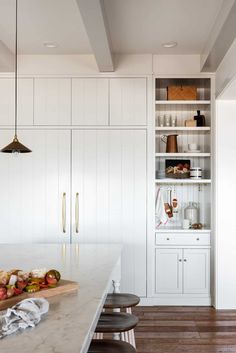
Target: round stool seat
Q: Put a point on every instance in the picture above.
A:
(116, 322)
(110, 346)
(121, 300)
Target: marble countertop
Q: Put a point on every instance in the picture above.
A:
(70, 323)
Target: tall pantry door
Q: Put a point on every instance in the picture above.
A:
(109, 196)
(35, 188)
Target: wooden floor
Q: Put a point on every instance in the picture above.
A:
(185, 330)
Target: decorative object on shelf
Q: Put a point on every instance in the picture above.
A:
(190, 123)
(181, 93)
(191, 213)
(200, 119)
(15, 146)
(167, 120)
(177, 168)
(197, 226)
(161, 120)
(196, 173)
(186, 224)
(193, 148)
(168, 209)
(174, 121)
(171, 143)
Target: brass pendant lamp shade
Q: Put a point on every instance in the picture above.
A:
(15, 146)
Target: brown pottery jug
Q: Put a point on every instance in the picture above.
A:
(171, 143)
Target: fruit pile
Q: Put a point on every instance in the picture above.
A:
(15, 282)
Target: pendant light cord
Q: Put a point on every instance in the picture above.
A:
(16, 52)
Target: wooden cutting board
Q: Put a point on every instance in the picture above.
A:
(63, 286)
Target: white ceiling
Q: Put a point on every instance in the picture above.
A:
(141, 26)
(42, 21)
(135, 26)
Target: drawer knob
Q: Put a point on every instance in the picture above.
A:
(185, 260)
(198, 239)
(167, 238)
(180, 260)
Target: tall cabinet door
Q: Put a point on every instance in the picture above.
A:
(34, 188)
(109, 196)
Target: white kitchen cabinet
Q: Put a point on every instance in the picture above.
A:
(35, 188)
(182, 271)
(196, 264)
(128, 101)
(90, 103)
(109, 196)
(168, 271)
(7, 101)
(52, 101)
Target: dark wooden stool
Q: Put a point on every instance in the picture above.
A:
(121, 301)
(110, 346)
(116, 322)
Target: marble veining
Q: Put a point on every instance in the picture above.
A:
(70, 323)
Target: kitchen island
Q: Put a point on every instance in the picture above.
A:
(69, 325)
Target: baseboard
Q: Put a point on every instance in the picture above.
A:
(176, 301)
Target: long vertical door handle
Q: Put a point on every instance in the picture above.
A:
(64, 212)
(77, 212)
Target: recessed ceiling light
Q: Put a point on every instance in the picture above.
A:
(169, 44)
(50, 44)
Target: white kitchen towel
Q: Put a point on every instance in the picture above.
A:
(161, 216)
(26, 313)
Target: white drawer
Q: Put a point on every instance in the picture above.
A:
(182, 239)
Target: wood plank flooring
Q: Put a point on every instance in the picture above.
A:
(185, 330)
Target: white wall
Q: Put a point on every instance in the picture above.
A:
(225, 205)
(83, 65)
(140, 64)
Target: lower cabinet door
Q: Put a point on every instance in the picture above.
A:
(169, 271)
(196, 264)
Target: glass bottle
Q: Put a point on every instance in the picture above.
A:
(200, 119)
(191, 213)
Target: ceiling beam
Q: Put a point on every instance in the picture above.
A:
(6, 58)
(221, 37)
(93, 15)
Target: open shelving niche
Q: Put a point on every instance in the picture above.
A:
(186, 190)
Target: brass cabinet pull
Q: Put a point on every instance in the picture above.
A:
(64, 212)
(77, 212)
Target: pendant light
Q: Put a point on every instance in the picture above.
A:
(15, 146)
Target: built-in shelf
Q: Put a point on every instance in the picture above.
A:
(183, 181)
(202, 102)
(181, 230)
(183, 129)
(183, 154)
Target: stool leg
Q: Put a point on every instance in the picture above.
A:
(116, 335)
(129, 335)
(116, 286)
